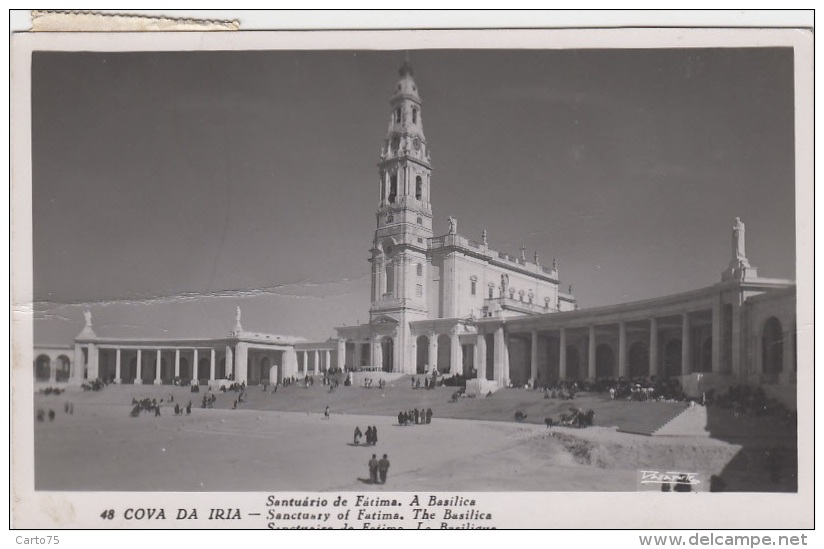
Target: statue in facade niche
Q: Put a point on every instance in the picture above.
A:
(88, 315)
(504, 283)
(453, 225)
(483, 237)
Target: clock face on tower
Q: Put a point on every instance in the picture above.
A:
(416, 143)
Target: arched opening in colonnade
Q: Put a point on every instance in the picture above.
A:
(672, 358)
(42, 368)
(185, 371)
(604, 361)
(421, 354)
(203, 366)
(64, 367)
(573, 363)
(772, 347)
(130, 373)
(638, 360)
(705, 363)
(444, 361)
(388, 353)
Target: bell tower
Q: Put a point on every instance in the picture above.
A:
(404, 215)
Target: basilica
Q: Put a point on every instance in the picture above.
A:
(455, 305)
(428, 291)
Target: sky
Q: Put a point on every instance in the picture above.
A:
(170, 187)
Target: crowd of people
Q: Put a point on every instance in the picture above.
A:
(415, 417)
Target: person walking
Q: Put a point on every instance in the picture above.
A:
(358, 435)
(373, 469)
(383, 468)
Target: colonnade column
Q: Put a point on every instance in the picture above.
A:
(157, 380)
(212, 358)
(433, 349)
(328, 354)
(480, 356)
(455, 355)
(716, 335)
(686, 345)
(623, 370)
(533, 358)
(499, 353)
(138, 375)
(195, 373)
(341, 353)
(737, 364)
(317, 360)
(241, 358)
(591, 355)
(78, 365)
(562, 359)
(117, 378)
(230, 362)
(290, 362)
(653, 346)
(93, 362)
(177, 363)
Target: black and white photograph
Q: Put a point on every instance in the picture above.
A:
(447, 277)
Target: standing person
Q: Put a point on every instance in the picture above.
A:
(358, 434)
(374, 435)
(373, 469)
(383, 468)
(428, 416)
(326, 413)
(368, 435)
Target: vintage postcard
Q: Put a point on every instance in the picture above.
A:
(412, 279)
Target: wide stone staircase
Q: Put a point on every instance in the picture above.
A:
(642, 418)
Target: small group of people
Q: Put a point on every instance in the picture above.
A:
(179, 409)
(236, 387)
(415, 417)
(208, 400)
(371, 436)
(41, 415)
(378, 469)
(367, 383)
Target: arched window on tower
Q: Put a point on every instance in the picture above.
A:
(414, 116)
(418, 187)
(398, 115)
(393, 188)
(389, 278)
(420, 269)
